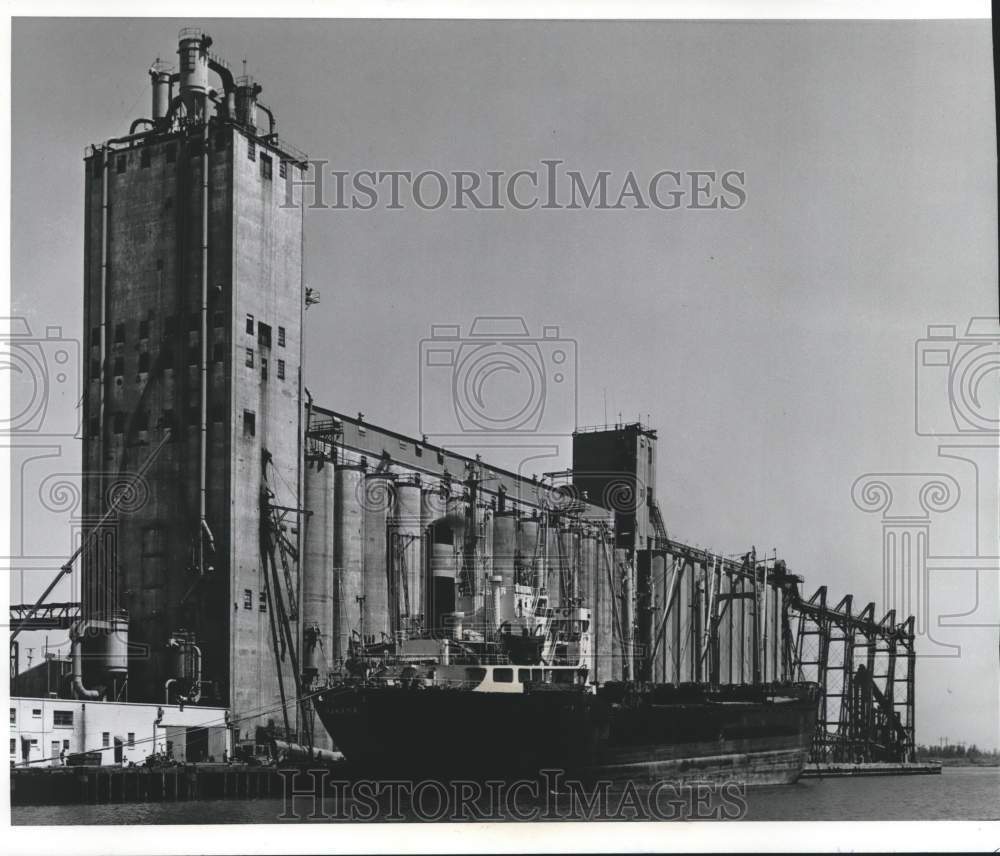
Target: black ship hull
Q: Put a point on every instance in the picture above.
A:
(751, 735)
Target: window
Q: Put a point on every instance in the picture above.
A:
(118, 422)
(144, 329)
(262, 606)
(170, 326)
(503, 676)
(62, 717)
(66, 744)
(194, 321)
(36, 712)
(220, 142)
(131, 739)
(95, 337)
(119, 334)
(167, 418)
(142, 420)
(281, 369)
(264, 335)
(95, 368)
(144, 158)
(105, 739)
(120, 164)
(218, 413)
(523, 675)
(265, 167)
(171, 153)
(252, 150)
(13, 715)
(194, 355)
(119, 366)
(281, 337)
(263, 368)
(283, 169)
(144, 362)
(249, 324)
(249, 359)
(218, 319)
(249, 423)
(13, 745)
(247, 599)
(219, 352)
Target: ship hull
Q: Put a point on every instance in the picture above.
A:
(675, 734)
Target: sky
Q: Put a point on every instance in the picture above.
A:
(773, 347)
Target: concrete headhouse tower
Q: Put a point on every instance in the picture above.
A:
(193, 300)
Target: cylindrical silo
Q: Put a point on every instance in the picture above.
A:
(528, 550)
(725, 612)
(658, 582)
(604, 642)
(192, 52)
(348, 558)
(588, 555)
(504, 545)
(377, 502)
(408, 550)
(458, 509)
(160, 79)
(317, 566)
(554, 562)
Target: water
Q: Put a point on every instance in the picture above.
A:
(959, 793)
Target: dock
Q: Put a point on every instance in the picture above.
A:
(832, 771)
(105, 785)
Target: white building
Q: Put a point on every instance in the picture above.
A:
(46, 731)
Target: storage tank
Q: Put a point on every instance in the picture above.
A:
(181, 655)
(317, 565)
(433, 506)
(192, 52)
(159, 76)
(378, 501)
(247, 91)
(409, 552)
(113, 641)
(348, 557)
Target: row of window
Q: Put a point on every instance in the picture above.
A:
(265, 162)
(194, 324)
(248, 600)
(193, 358)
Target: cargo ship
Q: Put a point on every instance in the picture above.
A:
(526, 701)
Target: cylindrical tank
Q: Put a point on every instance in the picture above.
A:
(181, 667)
(528, 551)
(348, 558)
(111, 642)
(571, 536)
(377, 501)
(626, 570)
(246, 101)
(409, 553)
(160, 80)
(504, 545)
(433, 506)
(317, 565)
(192, 49)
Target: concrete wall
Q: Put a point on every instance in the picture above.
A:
(151, 380)
(149, 725)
